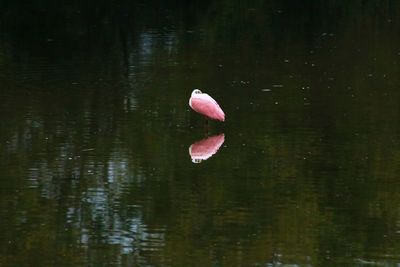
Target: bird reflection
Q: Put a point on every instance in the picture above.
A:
(205, 148)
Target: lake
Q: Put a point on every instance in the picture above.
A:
(103, 162)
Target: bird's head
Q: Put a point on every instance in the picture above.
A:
(196, 91)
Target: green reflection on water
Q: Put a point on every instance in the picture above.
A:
(95, 131)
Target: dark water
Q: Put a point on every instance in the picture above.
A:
(95, 133)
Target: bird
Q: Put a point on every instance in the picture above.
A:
(206, 105)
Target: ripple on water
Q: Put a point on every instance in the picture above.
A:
(151, 239)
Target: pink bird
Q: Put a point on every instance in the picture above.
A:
(206, 105)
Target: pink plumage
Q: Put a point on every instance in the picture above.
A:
(206, 105)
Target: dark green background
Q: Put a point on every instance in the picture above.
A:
(95, 129)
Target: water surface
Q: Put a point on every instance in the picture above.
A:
(95, 168)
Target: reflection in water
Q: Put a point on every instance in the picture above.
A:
(206, 148)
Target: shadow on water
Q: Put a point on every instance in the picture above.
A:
(95, 127)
